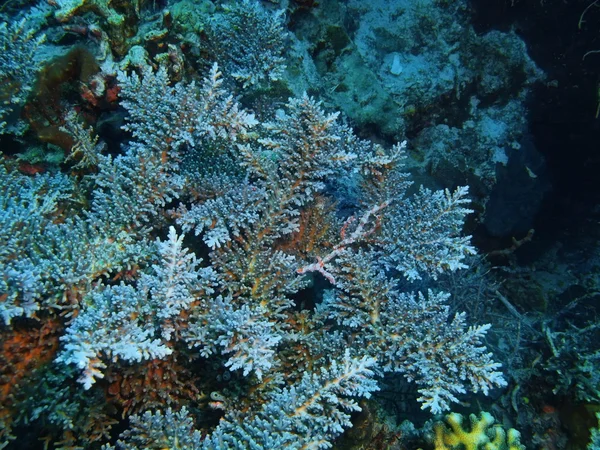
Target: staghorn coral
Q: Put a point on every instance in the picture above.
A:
(173, 429)
(308, 414)
(54, 262)
(239, 310)
(152, 385)
(181, 114)
(249, 42)
(86, 147)
(18, 68)
(119, 321)
(64, 414)
(291, 371)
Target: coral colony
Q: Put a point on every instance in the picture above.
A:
(191, 261)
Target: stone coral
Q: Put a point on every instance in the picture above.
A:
(482, 434)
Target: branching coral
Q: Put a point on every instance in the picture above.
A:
(18, 45)
(249, 42)
(259, 195)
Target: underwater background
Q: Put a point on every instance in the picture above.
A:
(299, 224)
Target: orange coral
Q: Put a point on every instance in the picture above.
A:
(153, 384)
(314, 229)
(25, 350)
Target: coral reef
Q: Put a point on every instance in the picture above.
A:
(237, 306)
(197, 252)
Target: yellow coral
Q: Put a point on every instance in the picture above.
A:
(481, 435)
